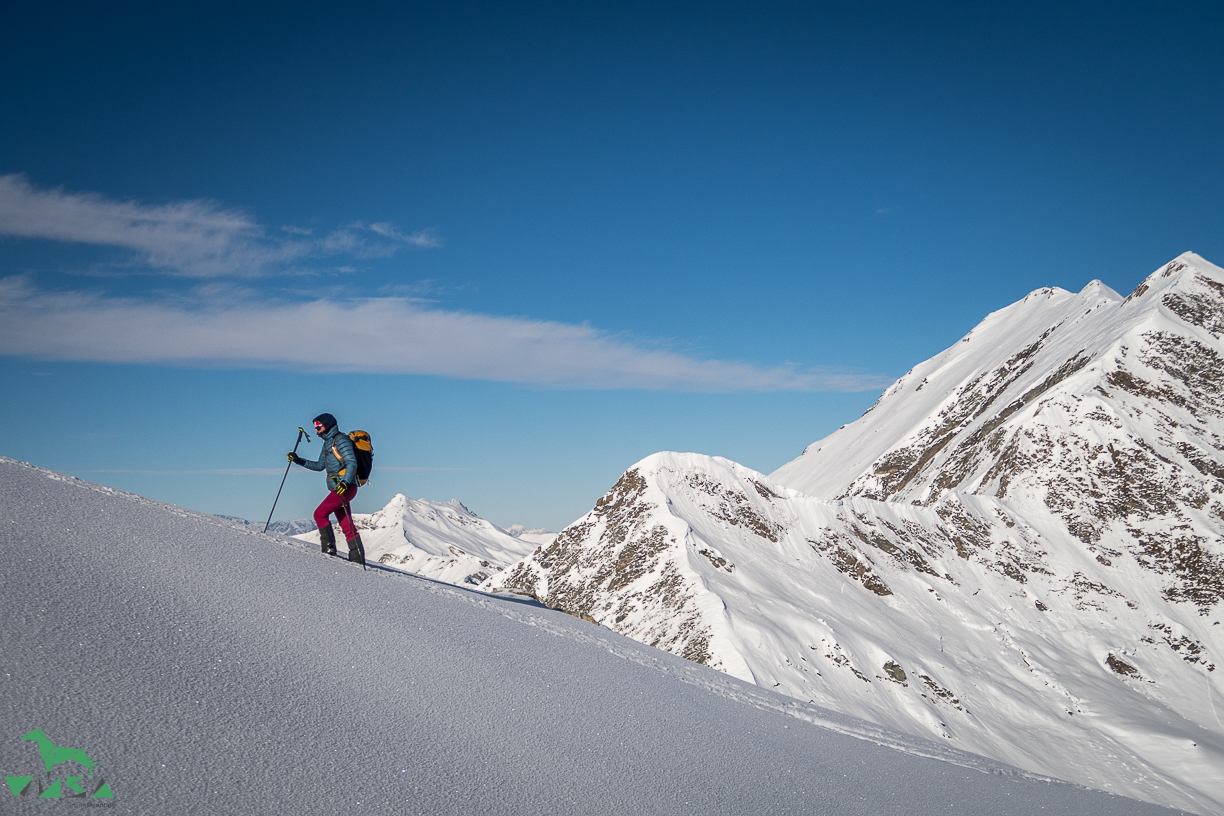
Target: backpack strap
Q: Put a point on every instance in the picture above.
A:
(339, 459)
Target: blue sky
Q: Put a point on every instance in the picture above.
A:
(526, 245)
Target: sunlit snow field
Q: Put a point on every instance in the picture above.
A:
(206, 668)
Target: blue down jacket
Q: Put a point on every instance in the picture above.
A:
(336, 441)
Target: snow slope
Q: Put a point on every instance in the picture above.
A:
(208, 669)
(1018, 549)
(441, 540)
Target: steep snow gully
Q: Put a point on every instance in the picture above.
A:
(205, 668)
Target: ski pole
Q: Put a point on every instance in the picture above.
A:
(301, 433)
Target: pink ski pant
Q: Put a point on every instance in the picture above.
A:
(334, 503)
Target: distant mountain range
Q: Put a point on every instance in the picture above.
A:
(1018, 549)
(289, 528)
(441, 540)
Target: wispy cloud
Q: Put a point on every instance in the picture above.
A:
(213, 472)
(234, 327)
(426, 238)
(420, 469)
(196, 238)
(376, 335)
(250, 471)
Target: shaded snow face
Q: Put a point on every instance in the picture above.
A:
(1021, 552)
(440, 540)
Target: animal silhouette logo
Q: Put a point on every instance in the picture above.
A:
(66, 772)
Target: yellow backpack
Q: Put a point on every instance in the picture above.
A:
(364, 449)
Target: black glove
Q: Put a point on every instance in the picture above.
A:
(294, 458)
(341, 487)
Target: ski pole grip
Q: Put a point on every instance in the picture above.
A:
(301, 433)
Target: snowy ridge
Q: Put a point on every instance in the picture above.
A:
(1095, 357)
(208, 668)
(1020, 548)
(440, 540)
(1108, 425)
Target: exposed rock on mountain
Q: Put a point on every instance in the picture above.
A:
(1019, 548)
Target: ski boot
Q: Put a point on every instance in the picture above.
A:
(356, 550)
(327, 536)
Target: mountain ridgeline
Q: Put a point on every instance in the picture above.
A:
(1019, 548)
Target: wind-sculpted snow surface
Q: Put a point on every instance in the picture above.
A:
(1018, 549)
(441, 540)
(209, 669)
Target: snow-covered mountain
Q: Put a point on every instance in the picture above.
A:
(206, 668)
(1018, 549)
(440, 540)
(1102, 412)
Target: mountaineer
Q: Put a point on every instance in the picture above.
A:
(339, 459)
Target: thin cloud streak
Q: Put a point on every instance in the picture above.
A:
(419, 469)
(426, 238)
(191, 238)
(246, 471)
(215, 472)
(250, 471)
(376, 335)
